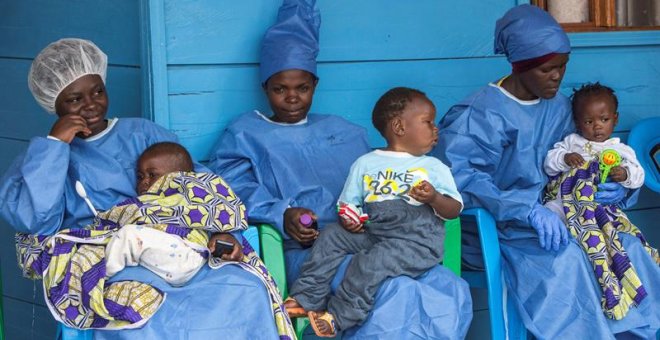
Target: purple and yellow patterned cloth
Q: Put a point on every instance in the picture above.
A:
(71, 263)
(596, 227)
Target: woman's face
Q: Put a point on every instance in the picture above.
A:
(543, 81)
(290, 95)
(85, 97)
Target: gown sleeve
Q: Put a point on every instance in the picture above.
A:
(631, 164)
(554, 163)
(235, 160)
(32, 196)
(474, 147)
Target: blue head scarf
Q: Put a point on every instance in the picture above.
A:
(293, 42)
(527, 32)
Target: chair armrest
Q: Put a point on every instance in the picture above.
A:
(251, 235)
(272, 253)
(487, 230)
(490, 248)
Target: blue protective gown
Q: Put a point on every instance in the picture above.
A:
(495, 145)
(273, 166)
(37, 195)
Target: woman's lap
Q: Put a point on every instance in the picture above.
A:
(435, 305)
(557, 292)
(216, 303)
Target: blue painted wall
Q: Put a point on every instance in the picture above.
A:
(201, 62)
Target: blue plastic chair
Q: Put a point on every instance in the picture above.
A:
(643, 136)
(501, 324)
(67, 333)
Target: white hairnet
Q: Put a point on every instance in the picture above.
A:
(60, 64)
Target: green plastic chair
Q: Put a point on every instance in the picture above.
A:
(272, 253)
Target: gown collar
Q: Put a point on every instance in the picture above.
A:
(498, 86)
(303, 121)
(111, 124)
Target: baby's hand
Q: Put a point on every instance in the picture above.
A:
(423, 192)
(351, 217)
(235, 255)
(573, 159)
(618, 174)
(351, 225)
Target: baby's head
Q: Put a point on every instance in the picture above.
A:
(406, 118)
(160, 159)
(595, 111)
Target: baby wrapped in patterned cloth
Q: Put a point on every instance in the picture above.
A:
(163, 229)
(573, 165)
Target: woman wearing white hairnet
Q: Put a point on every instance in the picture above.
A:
(38, 196)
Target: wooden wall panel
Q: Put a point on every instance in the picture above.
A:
(27, 26)
(210, 32)
(25, 313)
(25, 320)
(631, 71)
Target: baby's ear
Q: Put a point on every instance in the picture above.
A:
(396, 124)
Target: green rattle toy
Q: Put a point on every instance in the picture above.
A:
(608, 159)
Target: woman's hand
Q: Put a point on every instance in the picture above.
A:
(297, 230)
(610, 193)
(67, 127)
(235, 255)
(573, 159)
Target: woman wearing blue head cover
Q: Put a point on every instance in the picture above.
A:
(289, 163)
(38, 196)
(495, 141)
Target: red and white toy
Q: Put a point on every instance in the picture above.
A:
(350, 213)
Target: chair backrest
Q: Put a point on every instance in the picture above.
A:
(642, 138)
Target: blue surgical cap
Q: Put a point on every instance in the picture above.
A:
(527, 32)
(293, 42)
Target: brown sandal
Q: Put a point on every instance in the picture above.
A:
(325, 317)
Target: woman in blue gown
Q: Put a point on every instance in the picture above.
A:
(38, 196)
(288, 162)
(495, 141)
